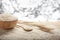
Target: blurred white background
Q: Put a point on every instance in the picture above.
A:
(33, 10)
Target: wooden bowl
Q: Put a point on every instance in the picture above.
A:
(8, 24)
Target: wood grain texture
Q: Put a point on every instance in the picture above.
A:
(44, 26)
(8, 24)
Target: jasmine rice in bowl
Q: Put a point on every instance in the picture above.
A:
(7, 21)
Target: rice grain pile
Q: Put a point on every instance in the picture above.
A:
(7, 17)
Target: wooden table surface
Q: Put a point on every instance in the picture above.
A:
(36, 34)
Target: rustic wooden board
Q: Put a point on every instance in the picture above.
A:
(36, 34)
